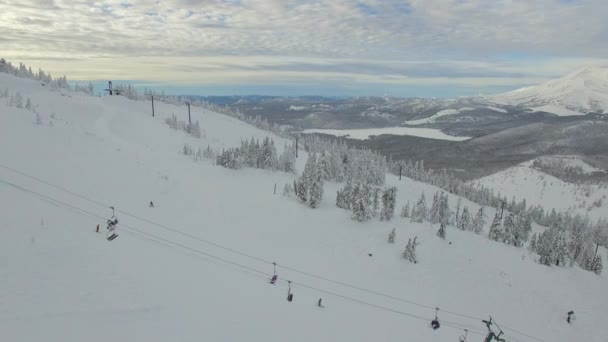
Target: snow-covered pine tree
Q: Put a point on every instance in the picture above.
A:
(457, 217)
(560, 249)
(302, 190)
(405, 211)
(28, 104)
(389, 197)
(595, 264)
(376, 202)
(316, 189)
(496, 232)
(391, 236)
(434, 211)
(510, 229)
(544, 247)
(18, 101)
(524, 225)
(419, 212)
(362, 203)
(409, 253)
(343, 197)
(533, 243)
(441, 231)
(444, 209)
(287, 159)
(479, 221)
(465, 219)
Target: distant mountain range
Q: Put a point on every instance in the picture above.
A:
(581, 92)
(584, 92)
(568, 115)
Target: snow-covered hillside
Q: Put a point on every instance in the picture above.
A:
(538, 188)
(581, 92)
(161, 281)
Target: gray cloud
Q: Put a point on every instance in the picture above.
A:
(491, 39)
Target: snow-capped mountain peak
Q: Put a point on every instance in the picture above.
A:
(578, 93)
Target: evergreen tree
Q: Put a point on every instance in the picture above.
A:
(441, 231)
(311, 190)
(362, 205)
(444, 209)
(533, 243)
(410, 251)
(419, 213)
(18, 101)
(496, 232)
(479, 221)
(302, 190)
(434, 211)
(465, 220)
(287, 159)
(523, 230)
(389, 197)
(391, 236)
(595, 264)
(544, 247)
(560, 249)
(457, 217)
(405, 211)
(316, 192)
(510, 229)
(376, 202)
(343, 197)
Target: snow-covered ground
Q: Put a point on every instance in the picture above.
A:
(366, 133)
(60, 281)
(567, 161)
(433, 118)
(539, 188)
(446, 112)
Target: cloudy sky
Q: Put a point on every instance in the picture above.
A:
(437, 48)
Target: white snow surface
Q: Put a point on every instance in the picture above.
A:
(496, 109)
(445, 112)
(579, 93)
(539, 188)
(367, 133)
(569, 161)
(433, 118)
(60, 281)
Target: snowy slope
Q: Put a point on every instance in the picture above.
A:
(63, 282)
(539, 188)
(567, 161)
(581, 92)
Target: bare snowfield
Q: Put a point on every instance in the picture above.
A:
(367, 133)
(63, 282)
